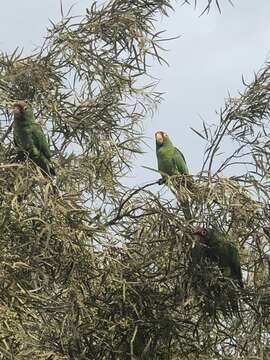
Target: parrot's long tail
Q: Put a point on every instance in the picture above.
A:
(46, 166)
(48, 171)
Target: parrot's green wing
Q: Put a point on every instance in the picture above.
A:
(40, 141)
(226, 254)
(41, 144)
(180, 162)
(235, 264)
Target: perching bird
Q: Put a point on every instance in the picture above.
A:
(220, 250)
(171, 162)
(30, 138)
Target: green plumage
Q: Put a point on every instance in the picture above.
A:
(171, 162)
(223, 252)
(30, 138)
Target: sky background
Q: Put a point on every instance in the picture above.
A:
(207, 61)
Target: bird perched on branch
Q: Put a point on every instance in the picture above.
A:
(30, 138)
(171, 162)
(220, 250)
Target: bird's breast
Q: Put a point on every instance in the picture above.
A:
(165, 161)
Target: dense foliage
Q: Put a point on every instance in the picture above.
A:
(91, 269)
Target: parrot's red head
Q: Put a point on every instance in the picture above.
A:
(200, 231)
(201, 235)
(160, 136)
(19, 109)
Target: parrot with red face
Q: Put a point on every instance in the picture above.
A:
(221, 251)
(30, 138)
(171, 162)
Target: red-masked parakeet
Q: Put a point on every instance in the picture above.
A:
(30, 138)
(222, 251)
(171, 162)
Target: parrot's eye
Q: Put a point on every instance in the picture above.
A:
(204, 232)
(165, 135)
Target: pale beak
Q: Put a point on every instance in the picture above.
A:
(159, 138)
(15, 111)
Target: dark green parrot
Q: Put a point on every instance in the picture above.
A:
(171, 162)
(30, 138)
(222, 251)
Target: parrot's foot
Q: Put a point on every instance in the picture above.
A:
(161, 181)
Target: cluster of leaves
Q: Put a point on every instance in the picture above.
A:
(207, 4)
(93, 270)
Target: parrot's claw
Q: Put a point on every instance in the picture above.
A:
(161, 181)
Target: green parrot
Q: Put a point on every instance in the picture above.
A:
(220, 250)
(171, 162)
(30, 138)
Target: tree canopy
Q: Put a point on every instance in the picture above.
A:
(92, 269)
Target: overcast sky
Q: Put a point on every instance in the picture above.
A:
(206, 62)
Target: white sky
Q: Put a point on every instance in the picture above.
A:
(206, 62)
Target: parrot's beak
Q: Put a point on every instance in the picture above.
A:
(159, 138)
(16, 110)
(197, 236)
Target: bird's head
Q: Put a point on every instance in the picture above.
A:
(207, 236)
(19, 109)
(161, 138)
(202, 235)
